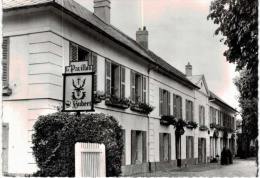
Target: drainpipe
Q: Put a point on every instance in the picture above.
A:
(148, 122)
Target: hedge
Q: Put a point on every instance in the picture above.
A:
(56, 134)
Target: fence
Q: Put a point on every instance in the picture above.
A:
(90, 160)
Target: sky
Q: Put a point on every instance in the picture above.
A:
(179, 32)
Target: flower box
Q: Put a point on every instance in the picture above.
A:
(167, 120)
(121, 103)
(191, 125)
(203, 128)
(142, 108)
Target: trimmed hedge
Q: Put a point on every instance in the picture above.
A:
(56, 134)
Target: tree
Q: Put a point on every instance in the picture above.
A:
(237, 22)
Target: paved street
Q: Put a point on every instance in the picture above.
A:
(239, 168)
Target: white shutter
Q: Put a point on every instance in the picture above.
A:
(122, 81)
(108, 77)
(144, 89)
(133, 98)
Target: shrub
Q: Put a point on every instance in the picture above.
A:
(56, 134)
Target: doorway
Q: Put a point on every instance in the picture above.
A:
(202, 150)
(178, 149)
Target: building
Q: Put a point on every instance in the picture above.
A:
(42, 37)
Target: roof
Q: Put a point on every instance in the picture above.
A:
(195, 78)
(218, 100)
(79, 12)
(181, 77)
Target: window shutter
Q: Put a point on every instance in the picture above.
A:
(191, 112)
(94, 59)
(132, 78)
(108, 77)
(169, 147)
(192, 147)
(180, 107)
(200, 115)
(133, 146)
(203, 115)
(5, 61)
(123, 152)
(144, 146)
(161, 146)
(168, 103)
(73, 52)
(144, 89)
(187, 111)
(160, 101)
(175, 106)
(122, 87)
(187, 147)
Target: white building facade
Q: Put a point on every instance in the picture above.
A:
(41, 38)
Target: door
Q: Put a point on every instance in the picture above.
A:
(202, 150)
(178, 150)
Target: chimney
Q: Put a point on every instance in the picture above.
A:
(102, 10)
(188, 68)
(142, 37)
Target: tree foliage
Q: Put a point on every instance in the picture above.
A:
(56, 134)
(237, 22)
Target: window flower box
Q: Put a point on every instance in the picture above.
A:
(203, 128)
(191, 125)
(122, 103)
(142, 108)
(167, 120)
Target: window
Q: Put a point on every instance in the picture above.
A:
(138, 147)
(79, 54)
(165, 146)
(5, 61)
(189, 147)
(189, 110)
(115, 79)
(177, 106)
(164, 99)
(212, 115)
(138, 87)
(201, 115)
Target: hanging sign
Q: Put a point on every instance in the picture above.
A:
(78, 87)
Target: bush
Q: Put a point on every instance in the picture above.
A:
(226, 157)
(56, 134)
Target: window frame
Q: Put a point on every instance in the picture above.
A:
(189, 110)
(164, 104)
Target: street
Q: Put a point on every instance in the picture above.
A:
(239, 168)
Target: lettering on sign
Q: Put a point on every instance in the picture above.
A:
(78, 92)
(78, 67)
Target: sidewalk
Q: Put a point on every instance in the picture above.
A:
(239, 168)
